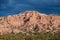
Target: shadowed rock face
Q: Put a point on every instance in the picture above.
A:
(29, 21)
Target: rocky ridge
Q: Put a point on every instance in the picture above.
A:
(29, 21)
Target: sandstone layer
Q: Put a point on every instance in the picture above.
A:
(29, 21)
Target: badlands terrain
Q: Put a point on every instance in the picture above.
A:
(29, 21)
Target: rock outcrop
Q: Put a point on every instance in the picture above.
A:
(29, 21)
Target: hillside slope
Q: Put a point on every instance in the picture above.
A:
(29, 21)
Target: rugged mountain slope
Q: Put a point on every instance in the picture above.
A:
(29, 21)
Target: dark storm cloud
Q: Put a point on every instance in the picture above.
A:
(15, 6)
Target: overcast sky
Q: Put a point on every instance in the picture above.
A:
(16, 6)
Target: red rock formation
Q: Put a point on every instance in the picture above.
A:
(29, 21)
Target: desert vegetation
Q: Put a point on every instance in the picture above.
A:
(31, 36)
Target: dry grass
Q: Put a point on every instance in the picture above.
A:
(31, 36)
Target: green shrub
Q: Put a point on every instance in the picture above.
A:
(31, 36)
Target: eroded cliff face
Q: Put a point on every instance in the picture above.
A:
(29, 21)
